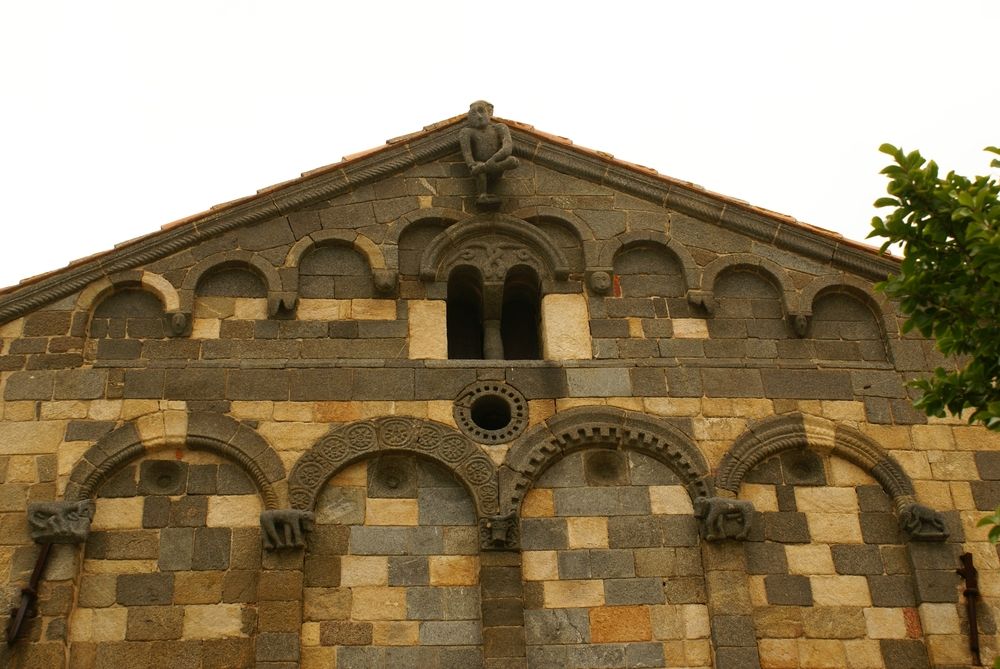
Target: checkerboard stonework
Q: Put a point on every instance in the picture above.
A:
(577, 414)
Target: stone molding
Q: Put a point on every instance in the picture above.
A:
(777, 273)
(279, 301)
(882, 308)
(203, 431)
(349, 443)
(177, 323)
(384, 279)
(599, 427)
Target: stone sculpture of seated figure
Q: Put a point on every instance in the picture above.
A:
(487, 148)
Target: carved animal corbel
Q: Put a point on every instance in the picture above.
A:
(499, 533)
(60, 522)
(285, 528)
(282, 305)
(704, 299)
(922, 523)
(723, 518)
(385, 281)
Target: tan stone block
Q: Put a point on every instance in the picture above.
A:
(914, 463)
(714, 451)
(205, 328)
(234, 511)
(891, 437)
(416, 409)
(441, 411)
(950, 650)
(566, 403)
(628, 403)
(197, 587)
(717, 407)
(213, 621)
(540, 410)
(826, 499)
(337, 412)
(939, 618)
(538, 503)
(961, 494)
(696, 621)
(719, 429)
(975, 438)
(107, 624)
(690, 328)
(615, 624)
(842, 473)
(635, 328)
(572, 594)
(566, 327)
(667, 499)
(322, 657)
(378, 604)
(358, 570)
(863, 654)
(935, 494)
(587, 532)
(841, 411)
(762, 496)
(932, 437)
(250, 308)
(310, 309)
(396, 633)
(698, 653)
(840, 591)
(833, 622)
(213, 307)
(326, 603)
(388, 511)
(310, 634)
(809, 559)
(31, 437)
(298, 412)
(117, 513)
(13, 329)
(673, 654)
(953, 465)
(244, 410)
(497, 452)
(21, 469)
(672, 406)
(119, 566)
(833, 528)
(376, 409)
(778, 653)
(821, 654)
(454, 569)
(292, 436)
(885, 623)
(778, 622)
(63, 409)
(758, 593)
(428, 331)
(540, 566)
(667, 621)
(352, 475)
(373, 310)
(18, 411)
(751, 407)
(104, 409)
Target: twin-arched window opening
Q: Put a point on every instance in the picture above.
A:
(494, 322)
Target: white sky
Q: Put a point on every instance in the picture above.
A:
(118, 117)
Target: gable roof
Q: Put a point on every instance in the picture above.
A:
(433, 142)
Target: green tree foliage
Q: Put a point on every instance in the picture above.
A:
(949, 284)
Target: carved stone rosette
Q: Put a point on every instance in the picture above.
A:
(60, 522)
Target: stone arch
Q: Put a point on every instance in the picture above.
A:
(219, 434)
(543, 215)
(384, 279)
(775, 435)
(396, 229)
(627, 240)
(599, 427)
(526, 244)
(175, 323)
(346, 444)
(748, 262)
(882, 308)
(278, 300)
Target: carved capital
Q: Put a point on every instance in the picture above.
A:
(922, 523)
(285, 528)
(60, 522)
(722, 518)
(499, 533)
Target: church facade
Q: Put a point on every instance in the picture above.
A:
(483, 398)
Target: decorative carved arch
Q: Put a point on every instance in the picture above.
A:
(627, 240)
(599, 427)
(385, 280)
(775, 435)
(277, 299)
(551, 262)
(346, 444)
(882, 308)
(198, 431)
(748, 261)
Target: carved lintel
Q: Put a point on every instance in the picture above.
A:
(285, 528)
(499, 533)
(385, 281)
(60, 522)
(922, 523)
(722, 518)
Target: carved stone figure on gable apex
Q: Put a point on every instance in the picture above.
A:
(486, 148)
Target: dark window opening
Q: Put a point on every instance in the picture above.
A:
(465, 315)
(520, 315)
(490, 412)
